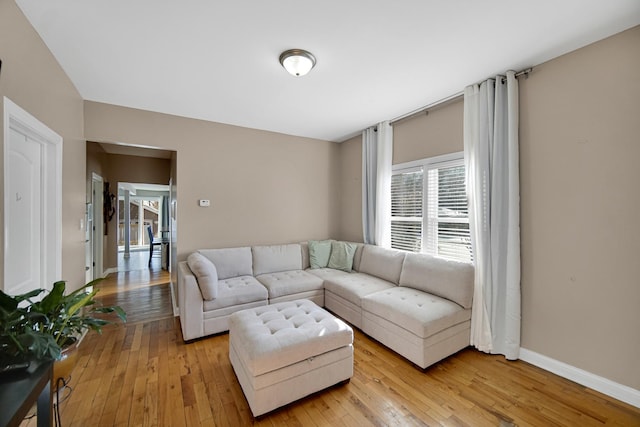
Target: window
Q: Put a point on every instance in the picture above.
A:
(429, 210)
(406, 210)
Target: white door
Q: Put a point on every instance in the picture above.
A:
(32, 202)
(24, 213)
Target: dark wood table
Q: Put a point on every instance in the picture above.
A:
(21, 389)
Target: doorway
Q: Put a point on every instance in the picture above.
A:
(94, 244)
(143, 218)
(123, 166)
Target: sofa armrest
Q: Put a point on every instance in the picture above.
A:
(190, 303)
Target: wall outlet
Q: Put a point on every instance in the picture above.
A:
(204, 203)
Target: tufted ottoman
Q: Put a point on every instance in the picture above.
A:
(285, 351)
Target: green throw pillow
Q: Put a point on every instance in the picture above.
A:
(342, 256)
(319, 252)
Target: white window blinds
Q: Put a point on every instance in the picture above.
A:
(406, 210)
(442, 227)
(448, 214)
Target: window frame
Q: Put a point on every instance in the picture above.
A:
(428, 243)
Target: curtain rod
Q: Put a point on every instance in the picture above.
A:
(426, 108)
(442, 102)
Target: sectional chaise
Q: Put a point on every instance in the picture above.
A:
(417, 305)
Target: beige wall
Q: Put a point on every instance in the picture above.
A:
(264, 187)
(580, 144)
(434, 134)
(350, 202)
(96, 163)
(32, 78)
(423, 136)
(136, 169)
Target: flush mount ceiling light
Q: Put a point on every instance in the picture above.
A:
(297, 62)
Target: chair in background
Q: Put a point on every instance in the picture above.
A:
(153, 243)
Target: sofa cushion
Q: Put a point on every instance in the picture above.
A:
(304, 246)
(342, 255)
(357, 256)
(354, 286)
(383, 263)
(421, 313)
(205, 273)
(448, 279)
(319, 253)
(236, 291)
(327, 273)
(273, 258)
(289, 282)
(230, 262)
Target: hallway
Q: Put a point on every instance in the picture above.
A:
(138, 260)
(143, 293)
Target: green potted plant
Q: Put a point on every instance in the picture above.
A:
(32, 328)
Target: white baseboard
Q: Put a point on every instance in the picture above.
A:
(595, 382)
(109, 271)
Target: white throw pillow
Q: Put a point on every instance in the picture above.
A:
(206, 273)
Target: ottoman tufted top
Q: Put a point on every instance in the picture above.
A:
(278, 335)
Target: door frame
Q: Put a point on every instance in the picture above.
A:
(97, 200)
(20, 120)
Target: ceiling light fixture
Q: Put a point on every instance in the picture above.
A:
(297, 62)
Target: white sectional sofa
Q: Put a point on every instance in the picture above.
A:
(415, 304)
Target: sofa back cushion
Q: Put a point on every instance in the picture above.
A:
(230, 262)
(206, 275)
(452, 280)
(380, 262)
(274, 258)
(304, 247)
(357, 257)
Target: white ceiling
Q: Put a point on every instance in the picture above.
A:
(132, 150)
(218, 60)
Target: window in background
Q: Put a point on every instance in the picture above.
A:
(144, 211)
(429, 210)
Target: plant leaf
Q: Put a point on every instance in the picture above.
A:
(7, 302)
(54, 298)
(40, 344)
(81, 302)
(10, 303)
(91, 284)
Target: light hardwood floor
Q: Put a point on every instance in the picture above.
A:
(144, 374)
